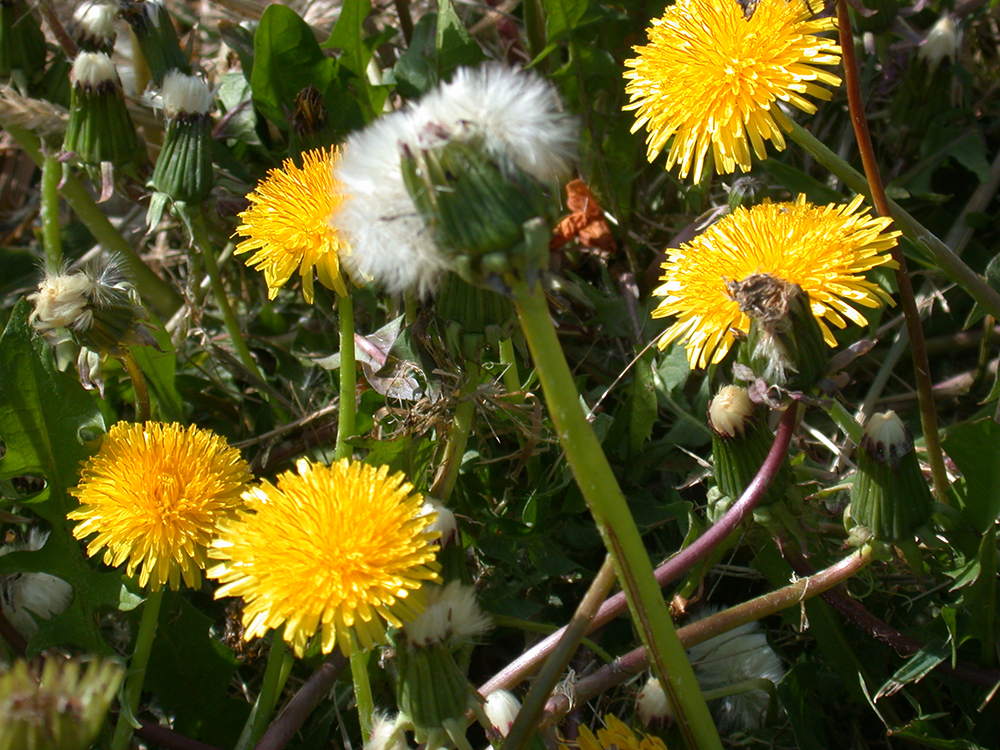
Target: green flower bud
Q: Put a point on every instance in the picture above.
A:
(890, 496)
(741, 441)
(61, 709)
(100, 130)
(184, 168)
(469, 315)
(785, 343)
(157, 40)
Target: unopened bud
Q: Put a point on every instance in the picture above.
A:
(157, 39)
(184, 168)
(94, 26)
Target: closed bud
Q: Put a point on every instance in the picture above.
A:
(100, 130)
(62, 708)
(94, 26)
(741, 441)
(784, 345)
(890, 496)
(184, 168)
(653, 707)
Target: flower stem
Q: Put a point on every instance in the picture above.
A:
(310, 695)
(196, 223)
(362, 688)
(614, 520)
(511, 378)
(526, 722)
(52, 171)
(137, 670)
(348, 379)
(138, 385)
(458, 435)
(700, 631)
(279, 661)
(918, 348)
(151, 287)
(925, 241)
(673, 568)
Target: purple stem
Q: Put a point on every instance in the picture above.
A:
(673, 568)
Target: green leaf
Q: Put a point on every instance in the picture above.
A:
(562, 16)
(975, 449)
(47, 421)
(641, 404)
(415, 72)
(916, 667)
(287, 58)
(348, 36)
(980, 599)
(189, 671)
(160, 369)
(455, 46)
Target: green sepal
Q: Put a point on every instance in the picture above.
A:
(100, 128)
(738, 459)
(184, 168)
(22, 41)
(157, 38)
(430, 688)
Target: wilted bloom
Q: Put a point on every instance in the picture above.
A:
(153, 495)
(713, 74)
(23, 596)
(61, 709)
(387, 734)
(288, 225)
(502, 115)
(823, 249)
(340, 550)
(943, 40)
(736, 656)
(615, 736)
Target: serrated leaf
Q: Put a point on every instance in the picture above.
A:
(975, 449)
(455, 46)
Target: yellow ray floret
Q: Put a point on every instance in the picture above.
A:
(711, 79)
(338, 550)
(823, 249)
(153, 494)
(289, 225)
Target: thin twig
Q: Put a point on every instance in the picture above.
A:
(921, 366)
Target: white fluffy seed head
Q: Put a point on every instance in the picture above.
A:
(25, 595)
(93, 70)
(60, 301)
(729, 658)
(452, 615)
(514, 114)
(184, 94)
(387, 734)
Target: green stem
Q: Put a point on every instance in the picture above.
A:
(362, 688)
(511, 377)
(138, 385)
(52, 171)
(918, 348)
(611, 513)
(926, 242)
(137, 670)
(348, 380)
(153, 290)
(196, 222)
(847, 423)
(458, 435)
(279, 661)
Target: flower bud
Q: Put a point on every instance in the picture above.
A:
(471, 317)
(501, 708)
(890, 496)
(943, 40)
(61, 709)
(94, 26)
(184, 168)
(741, 441)
(157, 40)
(653, 707)
(785, 343)
(100, 130)
(432, 692)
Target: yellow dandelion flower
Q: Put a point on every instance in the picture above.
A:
(153, 494)
(711, 78)
(616, 736)
(823, 249)
(340, 549)
(289, 224)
